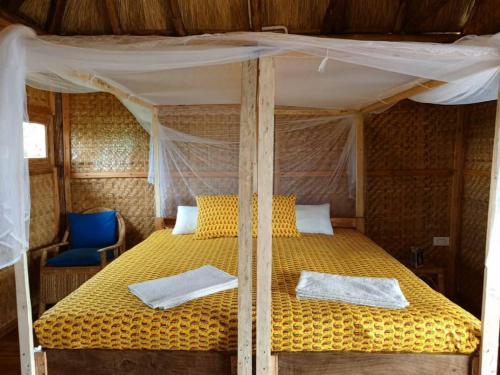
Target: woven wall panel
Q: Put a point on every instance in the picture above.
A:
(480, 119)
(405, 211)
(132, 197)
(43, 228)
(105, 136)
(411, 136)
(479, 132)
(39, 98)
(408, 211)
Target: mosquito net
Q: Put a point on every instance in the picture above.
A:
(205, 70)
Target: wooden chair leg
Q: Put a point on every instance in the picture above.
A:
(41, 363)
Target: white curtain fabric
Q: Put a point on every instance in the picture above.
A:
(310, 72)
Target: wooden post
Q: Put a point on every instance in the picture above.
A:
(155, 129)
(265, 99)
(456, 203)
(24, 316)
(248, 125)
(490, 321)
(66, 122)
(360, 173)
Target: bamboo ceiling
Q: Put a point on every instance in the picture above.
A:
(426, 20)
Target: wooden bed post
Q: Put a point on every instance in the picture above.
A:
(155, 128)
(265, 100)
(491, 296)
(24, 316)
(360, 173)
(248, 125)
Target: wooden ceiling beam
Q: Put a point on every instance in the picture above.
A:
(334, 19)
(55, 16)
(393, 99)
(173, 11)
(113, 17)
(255, 9)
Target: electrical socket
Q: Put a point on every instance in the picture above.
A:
(441, 241)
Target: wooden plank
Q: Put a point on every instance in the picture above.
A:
(66, 122)
(41, 363)
(86, 175)
(360, 173)
(456, 202)
(155, 128)
(101, 85)
(410, 172)
(137, 362)
(265, 99)
(24, 316)
(348, 363)
(477, 173)
(55, 16)
(393, 99)
(248, 125)
(113, 17)
(173, 11)
(490, 320)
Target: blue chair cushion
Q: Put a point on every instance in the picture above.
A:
(95, 230)
(84, 257)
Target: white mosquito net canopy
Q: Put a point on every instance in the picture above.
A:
(310, 72)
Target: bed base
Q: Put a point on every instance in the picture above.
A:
(141, 362)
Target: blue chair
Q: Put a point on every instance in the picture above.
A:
(93, 239)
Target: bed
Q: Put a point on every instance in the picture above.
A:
(103, 316)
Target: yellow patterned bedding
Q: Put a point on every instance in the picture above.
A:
(104, 314)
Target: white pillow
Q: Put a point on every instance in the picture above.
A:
(314, 219)
(187, 218)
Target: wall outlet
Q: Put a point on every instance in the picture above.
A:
(441, 241)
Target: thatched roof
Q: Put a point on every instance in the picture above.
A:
(440, 20)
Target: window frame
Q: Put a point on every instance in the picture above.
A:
(43, 165)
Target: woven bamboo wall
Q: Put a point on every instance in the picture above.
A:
(479, 124)
(106, 138)
(43, 224)
(409, 152)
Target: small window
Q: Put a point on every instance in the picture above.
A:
(35, 140)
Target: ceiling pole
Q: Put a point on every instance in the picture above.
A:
(393, 99)
(248, 127)
(173, 11)
(265, 110)
(255, 8)
(490, 319)
(334, 19)
(113, 17)
(55, 16)
(400, 18)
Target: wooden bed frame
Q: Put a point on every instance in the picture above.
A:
(140, 362)
(150, 362)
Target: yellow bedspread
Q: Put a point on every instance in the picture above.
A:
(104, 314)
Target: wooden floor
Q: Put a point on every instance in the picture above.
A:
(9, 354)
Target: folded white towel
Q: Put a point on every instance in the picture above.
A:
(175, 290)
(368, 291)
